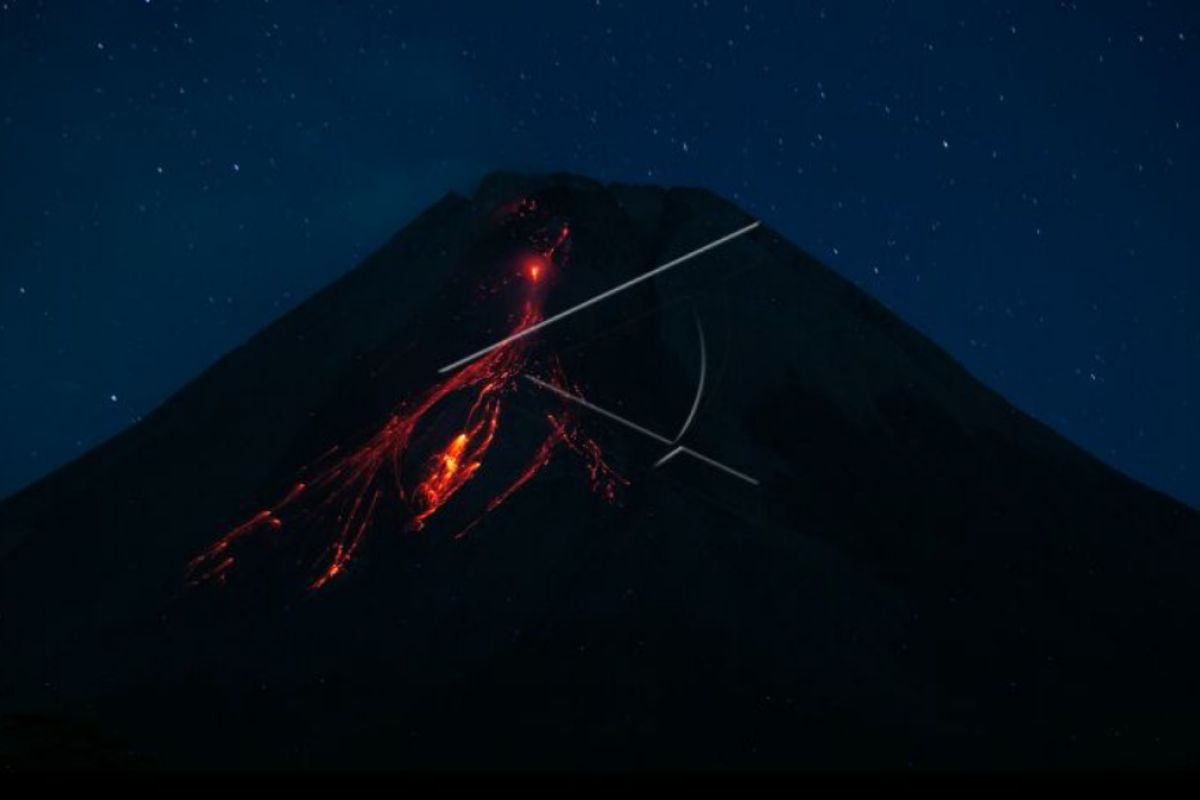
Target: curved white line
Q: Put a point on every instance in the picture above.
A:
(700, 388)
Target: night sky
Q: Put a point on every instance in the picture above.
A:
(1019, 181)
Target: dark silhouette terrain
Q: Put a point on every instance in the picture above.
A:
(926, 577)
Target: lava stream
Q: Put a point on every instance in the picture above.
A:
(344, 496)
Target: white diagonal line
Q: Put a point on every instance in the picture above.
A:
(670, 454)
(602, 296)
(550, 387)
(712, 462)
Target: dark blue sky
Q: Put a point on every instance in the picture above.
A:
(1018, 180)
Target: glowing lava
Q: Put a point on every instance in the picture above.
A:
(343, 497)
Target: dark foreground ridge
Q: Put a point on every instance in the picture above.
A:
(925, 577)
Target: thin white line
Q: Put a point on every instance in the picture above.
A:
(670, 454)
(700, 387)
(602, 296)
(714, 463)
(601, 411)
(644, 431)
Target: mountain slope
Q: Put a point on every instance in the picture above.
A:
(925, 575)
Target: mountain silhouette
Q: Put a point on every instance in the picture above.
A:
(922, 577)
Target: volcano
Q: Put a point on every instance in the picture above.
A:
(328, 551)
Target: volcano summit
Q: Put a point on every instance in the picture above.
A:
(326, 553)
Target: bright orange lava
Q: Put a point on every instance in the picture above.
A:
(346, 495)
(534, 270)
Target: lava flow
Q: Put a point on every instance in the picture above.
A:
(344, 497)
